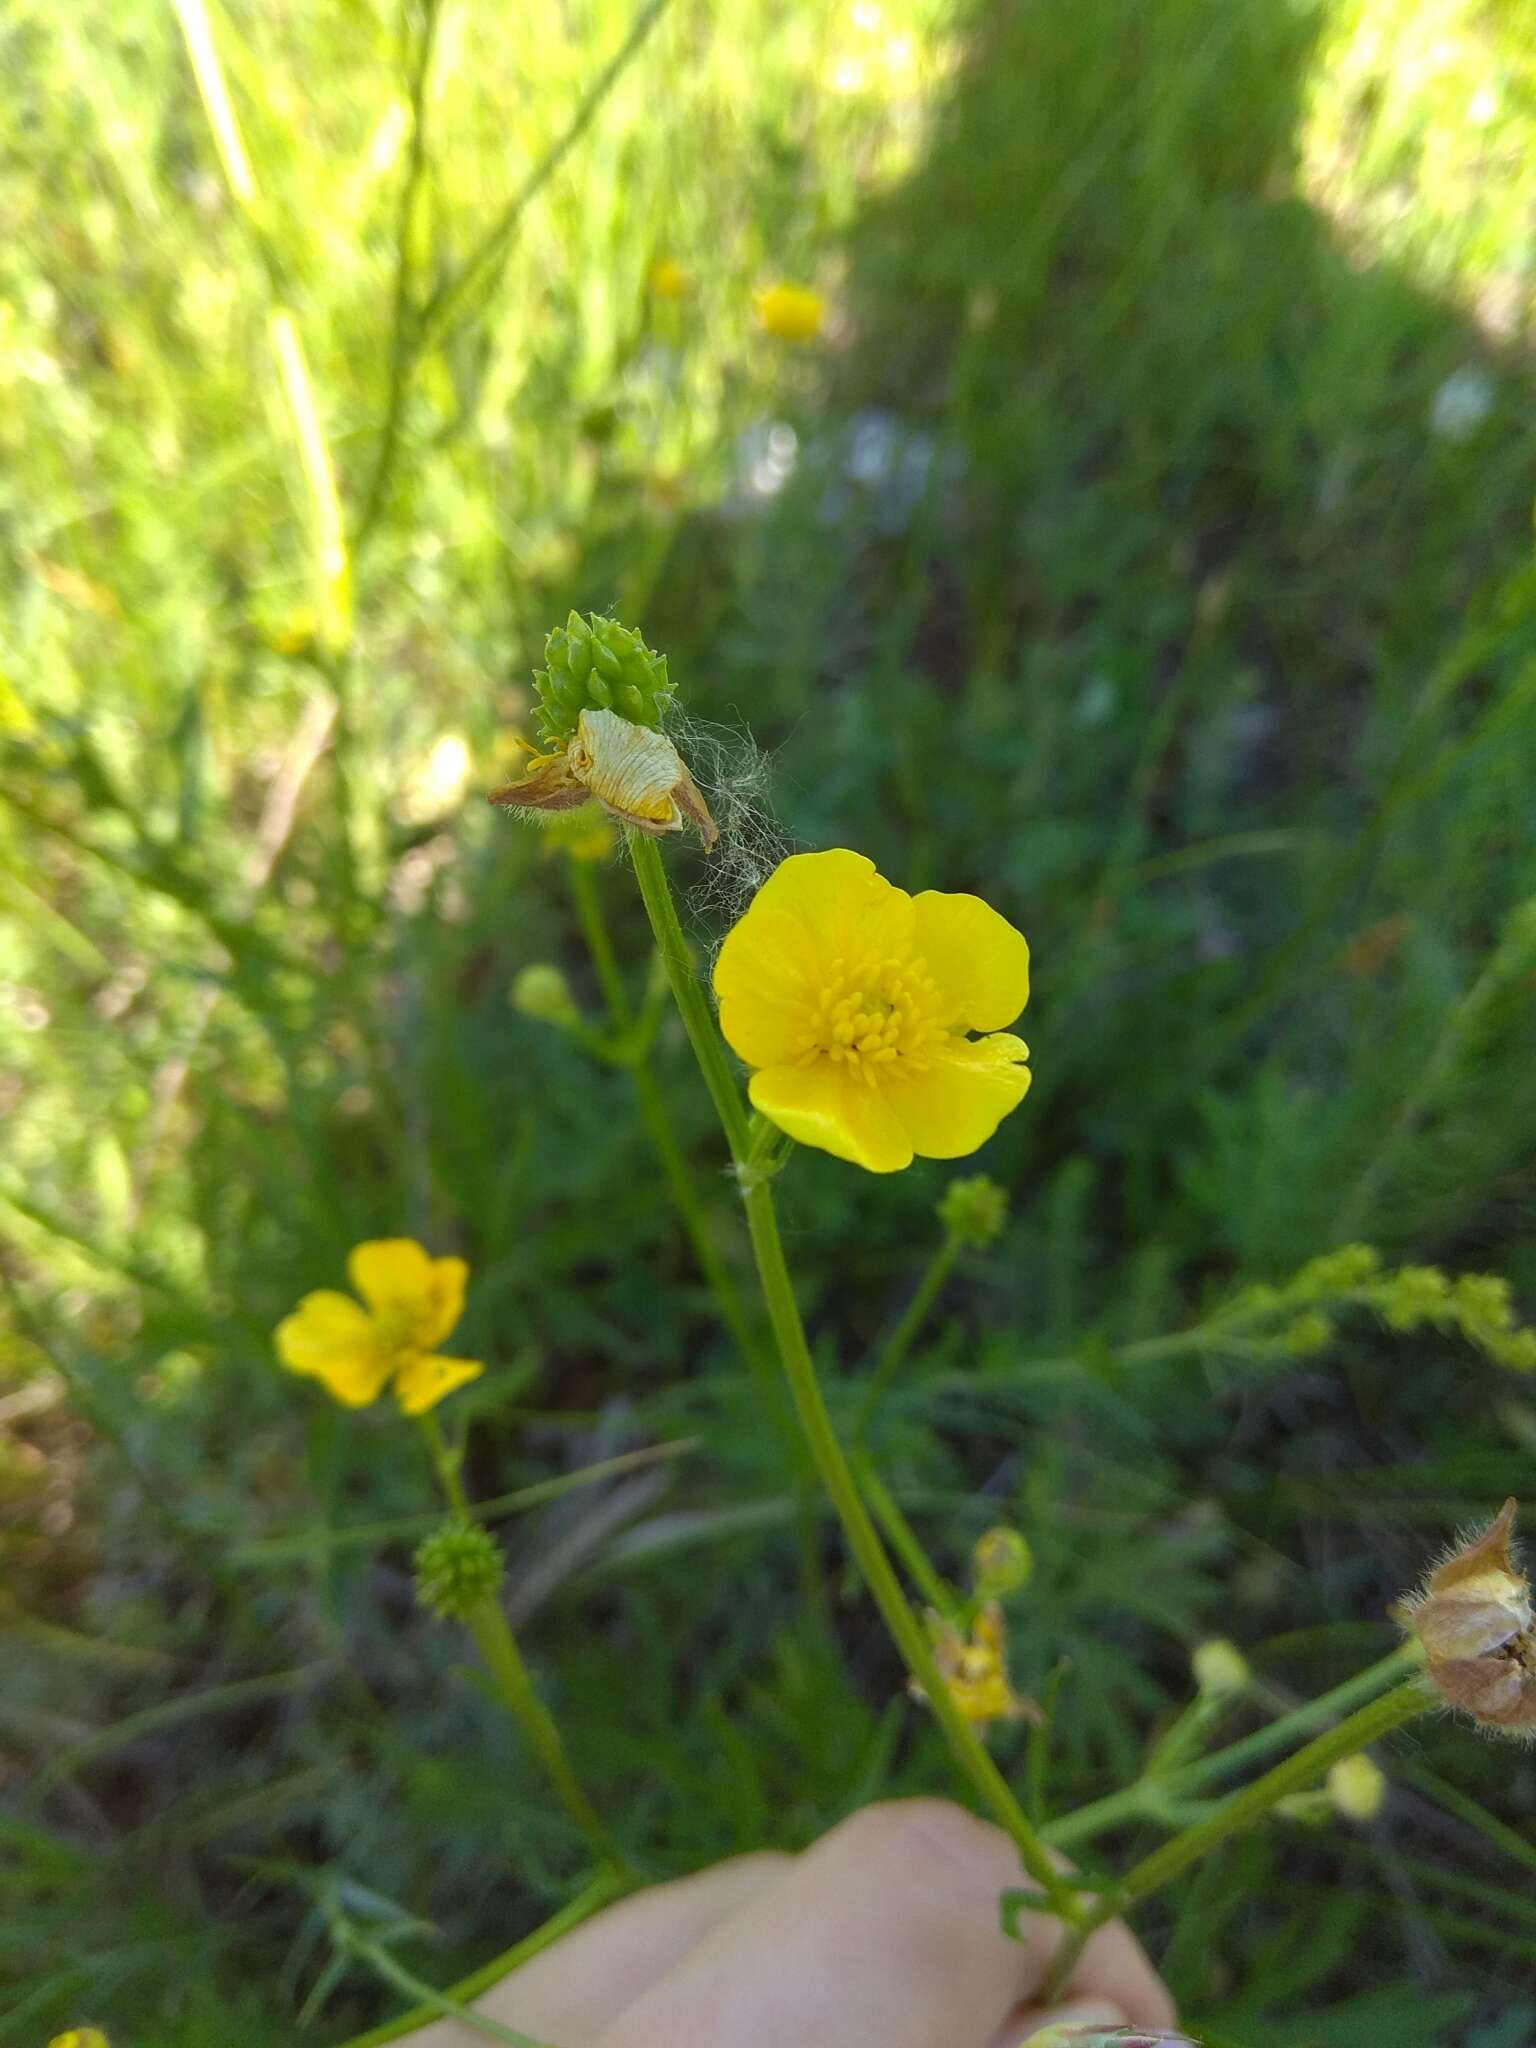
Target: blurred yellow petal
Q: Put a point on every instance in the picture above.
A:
(329, 1338)
(979, 961)
(833, 1108)
(959, 1102)
(449, 1279)
(789, 312)
(422, 1382)
(391, 1274)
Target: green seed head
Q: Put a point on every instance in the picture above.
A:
(457, 1567)
(595, 664)
(974, 1210)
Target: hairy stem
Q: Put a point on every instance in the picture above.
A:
(488, 1624)
(602, 1891)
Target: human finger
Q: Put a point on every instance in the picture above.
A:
(886, 1932)
(574, 1989)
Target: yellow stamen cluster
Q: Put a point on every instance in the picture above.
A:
(874, 1015)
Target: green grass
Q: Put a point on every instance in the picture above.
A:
(1123, 577)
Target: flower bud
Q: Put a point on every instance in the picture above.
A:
(457, 1567)
(1473, 1619)
(1357, 1788)
(1001, 1562)
(1070, 2036)
(974, 1210)
(595, 664)
(543, 993)
(1220, 1669)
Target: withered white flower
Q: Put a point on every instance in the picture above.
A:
(635, 773)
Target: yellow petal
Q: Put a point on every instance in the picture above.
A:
(392, 1273)
(843, 908)
(764, 986)
(979, 961)
(960, 1100)
(329, 1338)
(422, 1382)
(449, 1278)
(829, 1107)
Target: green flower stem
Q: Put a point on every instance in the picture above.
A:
(379, 1959)
(751, 1152)
(658, 1125)
(902, 1538)
(692, 1003)
(1147, 1797)
(487, 1622)
(863, 1539)
(940, 1266)
(1241, 1810)
(602, 1891)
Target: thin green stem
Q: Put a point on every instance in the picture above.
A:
(658, 1126)
(492, 1632)
(602, 1891)
(902, 1537)
(869, 1553)
(1241, 1810)
(488, 1624)
(379, 1959)
(891, 1359)
(1135, 1802)
(692, 1003)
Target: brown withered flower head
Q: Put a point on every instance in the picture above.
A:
(1474, 1621)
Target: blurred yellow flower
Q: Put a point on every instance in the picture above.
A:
(789, 312)
(1357, 1788)
(668, 280)
(584, 835)
(80, 2037)
(854, 1000)
(413, 1302)
(975, 1671)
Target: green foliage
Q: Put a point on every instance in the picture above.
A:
(1148, 550)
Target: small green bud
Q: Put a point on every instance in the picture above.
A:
(543, 993)
(974, 1211)
(597, 664)
(1001, 1563)
(457, 1567)
(1220, 1669)
(1305, 1335)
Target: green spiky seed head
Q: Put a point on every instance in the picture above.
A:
(457, 1567)
(974, 1210)
(595, 664)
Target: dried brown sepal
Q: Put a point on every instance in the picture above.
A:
(636, 774)
(1474, 1621)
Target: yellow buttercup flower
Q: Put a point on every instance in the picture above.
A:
(975, 1671)
(854, 1001)
(80, 2037)
(789, 312)
(413, 1302)
(668, 280)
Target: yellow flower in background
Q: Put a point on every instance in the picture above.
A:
(975, 1671)
(413, 1302)
(668, 280)
(789, 312)
(80, 2037)
(854, 1001)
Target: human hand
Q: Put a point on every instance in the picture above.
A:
(884, 1934)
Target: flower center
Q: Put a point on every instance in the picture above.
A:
(878, 1017)
(396, 1330)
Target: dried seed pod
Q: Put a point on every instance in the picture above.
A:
(636, 774)
(1474, 1622)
